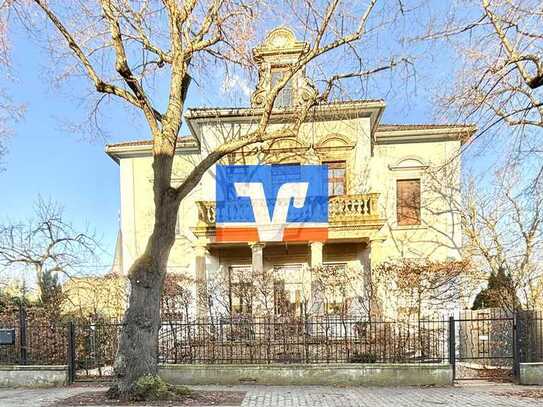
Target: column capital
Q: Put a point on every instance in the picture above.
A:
(316, 244)
(377, 238)
(200, 248)
(257, 254)
(256, 245)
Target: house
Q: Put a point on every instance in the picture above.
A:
(392, 193)
(95, 297)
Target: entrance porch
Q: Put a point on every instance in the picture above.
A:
(282, 279)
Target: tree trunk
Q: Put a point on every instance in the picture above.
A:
(138, 345)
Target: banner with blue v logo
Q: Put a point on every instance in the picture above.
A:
(271, 203)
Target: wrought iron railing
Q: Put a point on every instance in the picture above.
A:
(477, 344)
(326, 339)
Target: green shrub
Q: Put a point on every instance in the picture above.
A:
(152, 387)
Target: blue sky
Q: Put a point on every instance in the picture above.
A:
(46, 159)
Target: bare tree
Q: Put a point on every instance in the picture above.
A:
(123, 46)
(49, 246)
(500, 44)
(339, 290)
(177, 299)
(420, 284)
(328, 289)
(499, 85)
(10, 112)
(503, 229)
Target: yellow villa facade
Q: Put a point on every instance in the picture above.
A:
(392, 191)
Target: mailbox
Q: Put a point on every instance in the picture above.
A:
(7, 336)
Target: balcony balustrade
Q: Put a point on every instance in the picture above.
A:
(359, 209)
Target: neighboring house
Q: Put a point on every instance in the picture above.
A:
(95, 297)
(393, 190)
(98, 297)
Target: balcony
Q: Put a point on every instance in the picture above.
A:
(357, 209)
(347, 215)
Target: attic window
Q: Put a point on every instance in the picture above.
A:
(284, 97)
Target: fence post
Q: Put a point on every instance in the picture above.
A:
(22, 335)
(71, 352)
(452, 346)
(516, 348)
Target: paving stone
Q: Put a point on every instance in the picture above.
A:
(318, 396)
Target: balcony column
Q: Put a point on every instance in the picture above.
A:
(379, 306)
(257, 253)
(316, 253)
(377, 250)
(201, 253)
(317, 303)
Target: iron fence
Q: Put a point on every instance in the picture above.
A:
(311, 340)
(530, 336)
(36, 342)
(478, 344)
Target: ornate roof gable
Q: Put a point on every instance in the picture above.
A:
(274, 57)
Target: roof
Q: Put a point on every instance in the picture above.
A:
(385, 133)
(391, 127)
(190, 141)
(181, 141)
(408, 133)
(212, 112)
(135, 148)
(372, 108)
(337, 102)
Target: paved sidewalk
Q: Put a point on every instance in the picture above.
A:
(39, 397)
(318, 396)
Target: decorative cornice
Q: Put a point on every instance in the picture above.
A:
(143, 148)
(280, 41)
(415, 163)
(399, 134)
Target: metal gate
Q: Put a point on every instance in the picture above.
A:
(93, 349)
(486, 345)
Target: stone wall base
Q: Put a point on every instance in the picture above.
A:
(359, 374)
(531, 373)
(33, 376)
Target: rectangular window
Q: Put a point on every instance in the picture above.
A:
(280, 299)
(287, 290)
(242, 301)
(336, 177)
(336, 287)
(284, 97)
(408, 201)
(241, 290)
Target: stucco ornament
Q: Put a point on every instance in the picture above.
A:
(281, 37)
(279, 50)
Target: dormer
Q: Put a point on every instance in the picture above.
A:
(275, 57)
